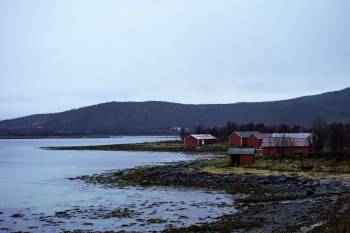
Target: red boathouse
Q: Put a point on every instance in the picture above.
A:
(198, 140)
(241, 156)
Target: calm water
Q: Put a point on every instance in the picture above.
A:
(33, 187)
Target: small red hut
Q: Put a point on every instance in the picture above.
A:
(241, 156)
(198, 140)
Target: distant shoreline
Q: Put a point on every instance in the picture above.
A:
(162, 146)
(80, 136)
(43, 137)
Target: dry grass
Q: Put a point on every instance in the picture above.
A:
(309, 167)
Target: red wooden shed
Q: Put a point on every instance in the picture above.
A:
(241, 156)
(198, 140)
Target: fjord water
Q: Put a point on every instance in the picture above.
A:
(33, 187)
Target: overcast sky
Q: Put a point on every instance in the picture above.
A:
(63, 54)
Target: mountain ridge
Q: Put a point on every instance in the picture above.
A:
(134, 117)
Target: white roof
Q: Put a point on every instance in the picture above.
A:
(202, 136)
(292, 135)
(285, 142)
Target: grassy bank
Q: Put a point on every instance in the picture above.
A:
(308, 166)
(165, 146)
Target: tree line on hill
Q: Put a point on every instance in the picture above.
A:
(223, 133)
(333, 137)
(327, 137)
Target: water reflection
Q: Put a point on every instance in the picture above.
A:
(36, 197)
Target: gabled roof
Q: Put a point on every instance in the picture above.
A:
(202, 136)
(241, 151)
(246, 134)
(285, 142)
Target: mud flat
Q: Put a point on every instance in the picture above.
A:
(271, 203)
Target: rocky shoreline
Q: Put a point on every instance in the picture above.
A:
(284, 203)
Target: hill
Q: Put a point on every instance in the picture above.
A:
(158, 117)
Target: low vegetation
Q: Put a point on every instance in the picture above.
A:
(165, 146)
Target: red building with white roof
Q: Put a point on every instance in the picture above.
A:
(198, 140)
(287, 143)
